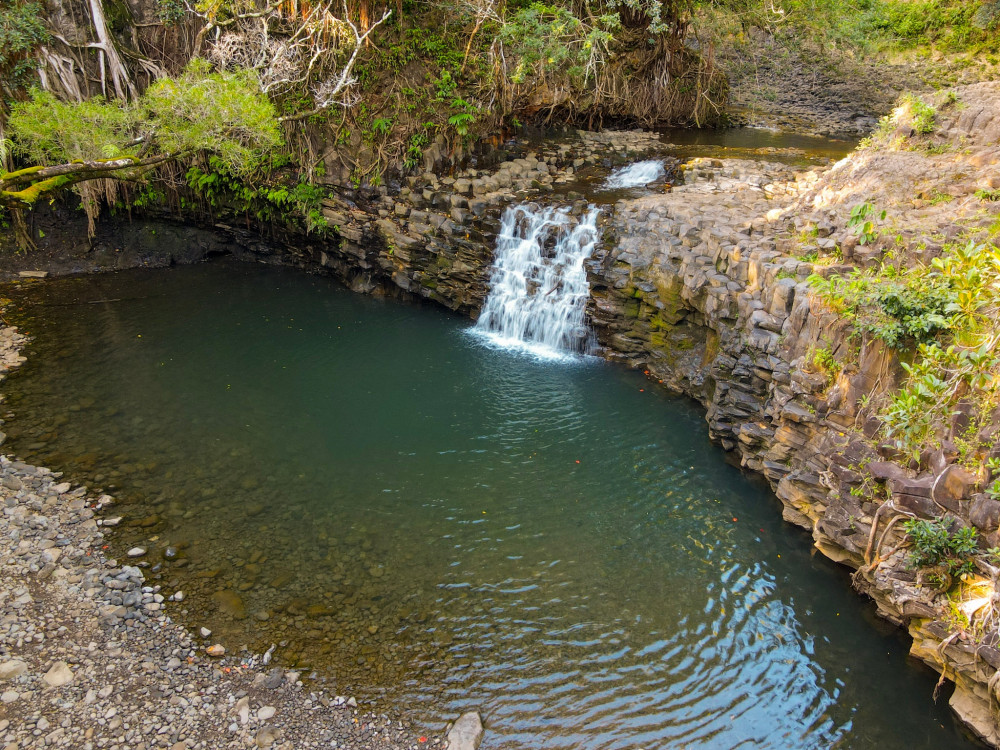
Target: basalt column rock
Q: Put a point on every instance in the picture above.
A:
(706, 290)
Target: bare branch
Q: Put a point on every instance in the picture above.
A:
(213, 23)
(291, 52)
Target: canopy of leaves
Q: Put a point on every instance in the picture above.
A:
(21, 30)
(222, 113)
(49, 131)
(550, 38)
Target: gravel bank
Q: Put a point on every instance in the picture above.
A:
(89, 657)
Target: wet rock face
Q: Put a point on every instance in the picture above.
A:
(705, 289)
(434, 239)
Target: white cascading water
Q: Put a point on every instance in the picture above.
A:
(538, 286)
(634, 175)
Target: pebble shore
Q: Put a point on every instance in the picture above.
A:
(90, 658)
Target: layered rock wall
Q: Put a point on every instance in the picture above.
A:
(706, 290)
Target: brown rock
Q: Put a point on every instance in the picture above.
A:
(921, 486)
(936, 461)
(953, 485)
(920, 505)
(882, 471)
(230, 603)
(985, 513)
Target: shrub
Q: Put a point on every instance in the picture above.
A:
(900, 310)
(921, 114)
(934, 544)
(863, 222)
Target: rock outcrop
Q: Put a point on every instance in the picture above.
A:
(706, 290)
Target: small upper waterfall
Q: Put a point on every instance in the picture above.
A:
(635, 175)
(538, 286)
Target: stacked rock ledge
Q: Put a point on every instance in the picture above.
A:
(705, 289)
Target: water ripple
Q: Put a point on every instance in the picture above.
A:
(442, 525)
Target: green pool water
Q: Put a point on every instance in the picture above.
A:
(433, 525)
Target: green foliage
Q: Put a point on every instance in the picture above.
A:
(868, 26)
(900, 309)
(435, 45)
(299, 203)
(550, 39)
(462, 121)
(941, 376)
(47, 130)
(951, 25)
(993, 491)
(659, 18)
(415, 150)
(987, 16)
(147, 196)
(934, 544)
(917, 411)
(824, 361)
(381, 125)
(863, 222)
(988, 195)
(444, 85)
(21, 31)
(170, 11)
(221, 112)
(920, 114)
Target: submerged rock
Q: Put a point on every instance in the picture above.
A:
(230, 603)
(467, 732)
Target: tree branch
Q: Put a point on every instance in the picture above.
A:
(25, 186)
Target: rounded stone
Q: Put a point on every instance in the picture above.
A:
(11, 669)
(60, 674)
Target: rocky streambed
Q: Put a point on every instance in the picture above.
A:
(90, 657)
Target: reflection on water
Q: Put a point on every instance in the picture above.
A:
(434, 523)
(761, 140)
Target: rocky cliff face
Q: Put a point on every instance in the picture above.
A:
(706, 290)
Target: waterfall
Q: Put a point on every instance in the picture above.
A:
(538, 286)
(634, 175)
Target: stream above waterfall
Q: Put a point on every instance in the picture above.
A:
(437, 525)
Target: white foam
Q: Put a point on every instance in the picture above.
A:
(538, 286)
(635, 175)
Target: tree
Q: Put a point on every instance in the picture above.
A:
(90, 144)
(21, 31)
